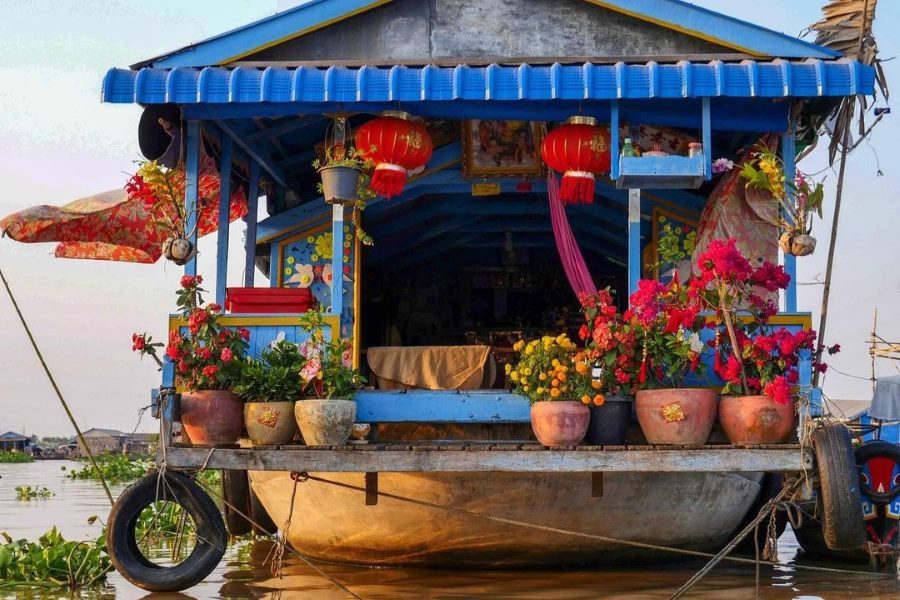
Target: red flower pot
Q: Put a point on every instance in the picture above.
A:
(559, 422)
(750, 420)
(681, 416)
(211, 417)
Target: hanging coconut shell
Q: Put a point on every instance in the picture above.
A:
(179, 250)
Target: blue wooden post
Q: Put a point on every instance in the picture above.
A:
(614, 139)
(274, 267)
(252, 209)
(707, 139)
(224, 221)
(634, 239)
(337, 259)
(788, 156)
(191, 185)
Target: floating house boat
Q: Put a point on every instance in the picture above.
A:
(470, 256)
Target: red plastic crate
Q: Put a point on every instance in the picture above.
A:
(268, 300)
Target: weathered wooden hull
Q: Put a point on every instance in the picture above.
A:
(685, 510)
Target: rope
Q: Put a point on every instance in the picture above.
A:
(590, 536)
(59, 395)
(277, 553)
(291, 549)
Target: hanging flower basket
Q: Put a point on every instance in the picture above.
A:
(340, 184)
(179, 250)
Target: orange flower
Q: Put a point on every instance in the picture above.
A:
(555, 383)
(586, 399)
(595, 384)
(561, 376)
(554, 393)
(599, 400)
(581, 368)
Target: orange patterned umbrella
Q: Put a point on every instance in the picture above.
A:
(117, 225)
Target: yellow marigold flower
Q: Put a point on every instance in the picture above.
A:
(564, 368)
(586, 399)
(519, 345)
(526, 371)
(507, 367)
(542, 377)
(524, 388)
(539, 390)
(514, 375)
(555, 362)
(529, 350)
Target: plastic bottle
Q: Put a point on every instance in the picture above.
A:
(628, 149)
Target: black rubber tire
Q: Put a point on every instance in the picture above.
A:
(769, 488)
(840, 500)
(236, 491)
(122, 546)
(870, 450)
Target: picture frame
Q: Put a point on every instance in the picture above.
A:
(653, 262)
(501, 148)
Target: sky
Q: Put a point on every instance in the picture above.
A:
(59, 143)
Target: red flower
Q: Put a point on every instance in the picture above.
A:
(138, 342)
(792, 376)
(227, 355)
(210, 371)
(622, 376)
(175, 337)
(834, 349)
(214, 308)
(173, 352)
(583, 332)
(183, 367)
(244, 333)
(204, 353)
(189, 281)
(779, 390)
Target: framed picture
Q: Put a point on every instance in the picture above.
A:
(497, 148)
(671, 246)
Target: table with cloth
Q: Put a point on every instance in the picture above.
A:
(432, 367)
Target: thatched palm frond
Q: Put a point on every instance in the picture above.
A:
(847, 27)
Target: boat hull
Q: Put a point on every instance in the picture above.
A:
(697, 511)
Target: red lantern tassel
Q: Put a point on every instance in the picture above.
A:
(577, 187)
(388, 180)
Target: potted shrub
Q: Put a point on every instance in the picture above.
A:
(269, 386)
(665, 319)
(341, 170)
(546, 374)
(326, 411)
(207, 364)
(758, 367)
(610, 344)
(765, 171)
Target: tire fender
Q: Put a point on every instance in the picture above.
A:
(840, 499)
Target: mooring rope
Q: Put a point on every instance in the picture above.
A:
(274, 537)
(591, 536)
(56, 389)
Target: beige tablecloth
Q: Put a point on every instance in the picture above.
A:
(429, 367)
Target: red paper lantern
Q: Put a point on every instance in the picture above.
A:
(397, 145)
(579, 149)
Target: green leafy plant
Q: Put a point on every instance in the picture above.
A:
(676, 242)
(327, 372)
(26, 492)
(342, 156)
(52, 562)
(275, 377)
(115, 468)
(765, 171)
(15, 457)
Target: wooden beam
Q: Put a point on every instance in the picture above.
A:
(252, 210)
(289, 125)
(429, 459)
(254, 153)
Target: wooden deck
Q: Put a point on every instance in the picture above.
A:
(497, 457)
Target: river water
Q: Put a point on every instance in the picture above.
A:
(242, 573)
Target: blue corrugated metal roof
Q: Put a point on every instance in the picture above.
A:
(747, 79)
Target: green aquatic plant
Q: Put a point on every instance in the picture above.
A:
(15, 457)
(115, 468)
(52, 562)
(26, 492)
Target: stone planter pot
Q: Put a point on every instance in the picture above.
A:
(270, 423)
(560, 422)
(212, 417)
(681, 416)
(325, 422)
(339, 184)
(750, 420)
(609, 422)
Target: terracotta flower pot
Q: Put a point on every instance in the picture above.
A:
(270, 423)
(211, 417)
(560, 422)
(749, 420)
(325, 422)
(682, 416)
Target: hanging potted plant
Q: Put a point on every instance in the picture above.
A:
(610, 353)
(546, 374)
(665, 320)
(806, 197)
(758, 368)
(269, 386)
(207, 364)
(326, 411)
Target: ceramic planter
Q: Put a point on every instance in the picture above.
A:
(750, 420)
(325, 422)
(560, 422)
(339, 184)
(270, 423)
(609, 422)
(212, 417)
(680, 416)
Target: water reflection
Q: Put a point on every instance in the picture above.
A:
(244, 574)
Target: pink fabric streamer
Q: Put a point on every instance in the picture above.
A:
(569, 253)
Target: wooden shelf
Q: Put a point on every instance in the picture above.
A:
(661, 172)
